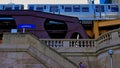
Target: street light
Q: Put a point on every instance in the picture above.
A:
(110, 52)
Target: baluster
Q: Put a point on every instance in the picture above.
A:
(61, 43)
(106, 36)
(54, 43)
(81, 43)
(69, 43)
(93, 43)
(85, 43)
(78, 43)
(47, 42)
(88, 42)
(57, 43)
(72, 43)
(51, 43)
(75, 43)
(109, 36)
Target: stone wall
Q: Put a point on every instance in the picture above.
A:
(19, 60)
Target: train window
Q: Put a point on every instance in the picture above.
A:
(1, 7)
(31, 7)
(85, 9)
(108, 6)
(62, 7)
(16, 7)
(114, 8)
(76, 8)
(68, 9)
(8, 7)
(44, 6)
(22, 7)
(99, 8)
(39, 8)
(53, 8)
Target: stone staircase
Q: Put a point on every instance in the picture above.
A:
(26, 51)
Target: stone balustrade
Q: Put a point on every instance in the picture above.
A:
(107, 39)
(69, 42)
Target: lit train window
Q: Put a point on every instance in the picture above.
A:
(76, 8)
(85, 9)
(1, 7)
(53, 8)
(8, 7)
(108, 6)
(114, 8)
(39, 8)
(62, 7)
(99, 8)
(16, 7)
(31, 7)
(44, 6)
(68, 8)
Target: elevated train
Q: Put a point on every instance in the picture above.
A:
(82, 11)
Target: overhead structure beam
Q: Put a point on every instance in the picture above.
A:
(109, 23)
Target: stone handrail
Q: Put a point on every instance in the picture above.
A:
(108, 36)
(69, 42)
(37, 46)
(108, 39)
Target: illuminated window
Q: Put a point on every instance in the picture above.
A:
(99, 8)
(114, 8)
(31, 7)
(76, 8)
(68, 9)
(53, 8)
(8, 7)
(85, 9)
(39, 8)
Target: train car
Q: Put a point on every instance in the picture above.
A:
(11, 7)
(82, 11)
